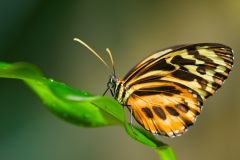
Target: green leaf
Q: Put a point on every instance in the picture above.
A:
(79, 107)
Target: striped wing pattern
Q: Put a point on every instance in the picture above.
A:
(166, 90)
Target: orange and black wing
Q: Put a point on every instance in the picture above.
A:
(166, 90)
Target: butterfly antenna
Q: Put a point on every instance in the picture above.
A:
(110, 55)
(78, 40)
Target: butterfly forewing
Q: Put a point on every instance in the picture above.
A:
(167, 89)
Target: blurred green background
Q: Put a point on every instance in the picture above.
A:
(42, 32)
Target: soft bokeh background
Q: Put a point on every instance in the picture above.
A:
(42, 32)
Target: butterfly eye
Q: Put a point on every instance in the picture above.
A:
(113, 80)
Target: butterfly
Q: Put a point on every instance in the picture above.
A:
(165, 92)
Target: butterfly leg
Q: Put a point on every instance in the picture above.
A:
(105, 91)
(131, 120)
(131, 123)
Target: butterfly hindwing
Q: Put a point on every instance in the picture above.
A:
(168, 109)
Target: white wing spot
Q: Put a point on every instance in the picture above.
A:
(170, 134)
(194, 95)
(199, 104)
(183, 128)
(194, 119)
(179, 134)
(176, 131)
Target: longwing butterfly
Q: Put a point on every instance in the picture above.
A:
(165, 92)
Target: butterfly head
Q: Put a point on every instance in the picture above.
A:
(112, 85)
(112, 80)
